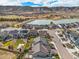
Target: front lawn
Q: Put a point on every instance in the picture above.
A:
(5, 44)
(57, 56)
(14, 43)
(29, 43)
(18, 41)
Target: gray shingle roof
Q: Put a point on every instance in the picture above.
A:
(40, 45)
(41, 39)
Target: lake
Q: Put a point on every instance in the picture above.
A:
(47, 22)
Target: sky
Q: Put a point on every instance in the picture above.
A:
(35, 3)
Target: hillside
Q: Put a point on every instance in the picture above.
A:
(21, 10)
(39, 12)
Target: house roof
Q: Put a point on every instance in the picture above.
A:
(11, 29)
(40, 45)
(41, 40)
(42, 58)
(40, 48)
(20, 46)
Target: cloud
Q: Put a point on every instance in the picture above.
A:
(41, 2)
(66, 3)
(9, 2)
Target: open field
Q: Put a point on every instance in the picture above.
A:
(7, 55)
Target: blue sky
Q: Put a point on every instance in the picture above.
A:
(31, 4)
(49, 3)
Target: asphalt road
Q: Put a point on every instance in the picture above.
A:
(63, 53)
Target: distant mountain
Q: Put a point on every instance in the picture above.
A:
(25, 10)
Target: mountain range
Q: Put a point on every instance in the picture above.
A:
(25, 10)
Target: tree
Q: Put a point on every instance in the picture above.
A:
(51, 23)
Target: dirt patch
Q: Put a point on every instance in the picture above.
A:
(7, 55)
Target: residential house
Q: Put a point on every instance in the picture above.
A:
(15, 32)
(20, 47)
(33, 33)
(74, 37)
(41, 49)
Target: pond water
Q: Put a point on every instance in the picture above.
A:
(47, 22)
(65, 21)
